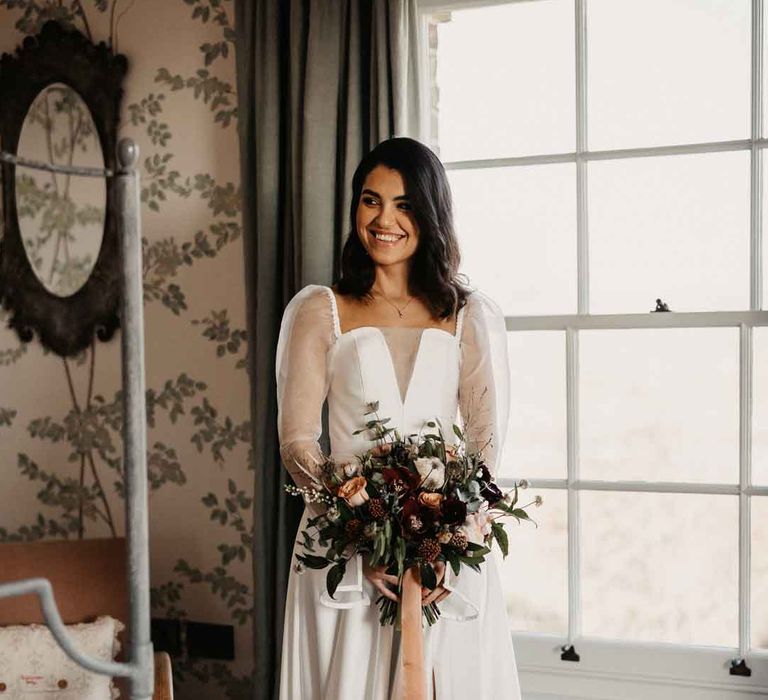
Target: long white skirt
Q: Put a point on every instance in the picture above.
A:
(345, 654)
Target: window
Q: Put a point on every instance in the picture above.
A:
(603, 155)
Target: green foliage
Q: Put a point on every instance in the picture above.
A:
(41, 528)
(163, 467)
(166, 598)
(65, 493)
(219, 435)
(159, 180)
(228, 340)
(9, 356)
(145, 112)
(34, 14)
(172, 396)
(218, 94)
(6, 416)
(235, 594)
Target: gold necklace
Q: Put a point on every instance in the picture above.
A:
(393, 305)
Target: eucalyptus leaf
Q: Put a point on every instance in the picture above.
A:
(335, 574)
(428, 576)
(312, 561)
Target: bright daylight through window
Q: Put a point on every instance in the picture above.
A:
(604, 154)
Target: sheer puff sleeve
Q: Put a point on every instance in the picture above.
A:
(484, 378)
(301, 368)
(484, 409)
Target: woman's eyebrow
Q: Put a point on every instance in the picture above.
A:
(376, 194)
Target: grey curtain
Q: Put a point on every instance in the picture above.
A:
(320, 82)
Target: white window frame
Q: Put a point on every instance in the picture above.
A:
(615, 668)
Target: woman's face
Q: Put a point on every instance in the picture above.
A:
(385, 221)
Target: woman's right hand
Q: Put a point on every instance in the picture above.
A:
(379, 578)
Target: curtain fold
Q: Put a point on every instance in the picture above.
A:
(320, 83)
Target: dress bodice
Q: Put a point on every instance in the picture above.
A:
(412, 372)
(416, 374)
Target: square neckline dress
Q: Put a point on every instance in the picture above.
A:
(336, 649)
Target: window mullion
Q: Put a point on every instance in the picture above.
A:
(745, 480)
(582, 233)
(572, 441)
(756, 160)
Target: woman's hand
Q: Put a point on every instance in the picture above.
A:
(438, 593)
(379, 578)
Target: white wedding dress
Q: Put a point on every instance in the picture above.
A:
(336, 649)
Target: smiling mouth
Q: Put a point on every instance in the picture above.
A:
(389, 238)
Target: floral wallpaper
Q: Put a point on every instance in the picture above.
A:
(60, 420)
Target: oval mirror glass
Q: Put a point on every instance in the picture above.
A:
(61, 216)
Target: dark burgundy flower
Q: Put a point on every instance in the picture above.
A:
(412, 517)
(485, 475)
(491, 493)
(454, 511)
(401, 479)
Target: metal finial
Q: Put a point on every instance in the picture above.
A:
(127, 153)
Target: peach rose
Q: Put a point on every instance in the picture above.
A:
(431, 500)
(353, 491)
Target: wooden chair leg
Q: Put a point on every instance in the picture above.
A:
(163, 677)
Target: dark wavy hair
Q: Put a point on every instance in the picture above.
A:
(433, 275)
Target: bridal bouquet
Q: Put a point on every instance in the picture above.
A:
(406, 502)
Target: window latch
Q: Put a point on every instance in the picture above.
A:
(660, 306)
(739, 668)
(569, 653)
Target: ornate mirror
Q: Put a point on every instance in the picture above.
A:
(59, 269)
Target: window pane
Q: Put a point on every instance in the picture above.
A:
(675, 227)
(667, 71)
(517, 229)
(660, 567)
(760, 407)
(535, 574)
(765, 228)
(660, 404)
(505, 80)
(536, 441)
(759, 587)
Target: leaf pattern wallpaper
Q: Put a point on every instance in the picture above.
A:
(60, 420)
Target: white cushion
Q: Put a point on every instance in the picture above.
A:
(34, 667)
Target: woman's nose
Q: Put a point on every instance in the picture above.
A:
(386, 217)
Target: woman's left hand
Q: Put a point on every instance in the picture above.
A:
(438, 593)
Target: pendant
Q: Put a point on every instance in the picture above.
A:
(400, 313)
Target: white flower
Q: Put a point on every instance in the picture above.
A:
(477, 527)
(351, 469)
(432, 472)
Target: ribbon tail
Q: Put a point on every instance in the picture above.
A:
(412, 637)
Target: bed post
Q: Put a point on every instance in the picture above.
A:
(134, 418)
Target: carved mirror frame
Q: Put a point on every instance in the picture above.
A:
(64, 325)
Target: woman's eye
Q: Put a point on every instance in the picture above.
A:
(406, 207)
(369, 200)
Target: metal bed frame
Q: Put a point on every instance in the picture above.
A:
(139, 669)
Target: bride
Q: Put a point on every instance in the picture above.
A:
(399, 328)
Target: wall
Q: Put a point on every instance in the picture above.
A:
(58, 447)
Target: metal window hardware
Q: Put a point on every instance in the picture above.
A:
(569, 653)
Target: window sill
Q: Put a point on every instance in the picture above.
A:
(610, 669)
